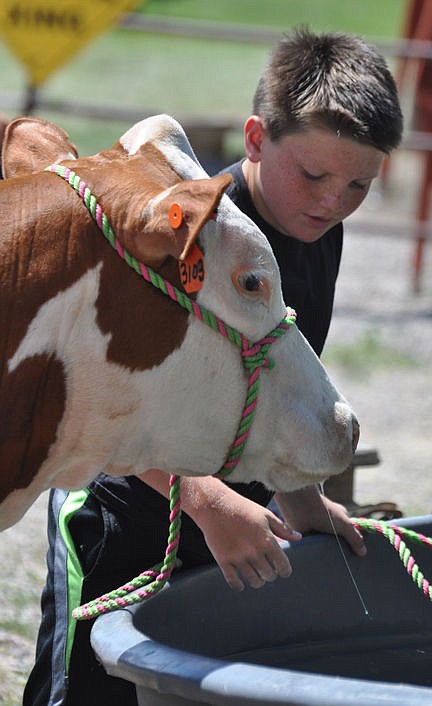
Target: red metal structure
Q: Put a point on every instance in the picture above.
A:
(418, 27)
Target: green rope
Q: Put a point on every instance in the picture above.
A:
(154, 578)
(394, 534)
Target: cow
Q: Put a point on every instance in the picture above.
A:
(100, 370)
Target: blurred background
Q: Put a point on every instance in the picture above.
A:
(195, 59)
(200, 60)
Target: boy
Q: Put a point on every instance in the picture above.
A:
(325, 114)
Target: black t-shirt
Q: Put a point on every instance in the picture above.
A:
(308, 274)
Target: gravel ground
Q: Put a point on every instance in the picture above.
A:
(393, 401)
(22, 558)
(392, 395)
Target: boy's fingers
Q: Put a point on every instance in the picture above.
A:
(283, 530)
(356, 541)
(282, 565)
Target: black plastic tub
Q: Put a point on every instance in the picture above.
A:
(308, 640)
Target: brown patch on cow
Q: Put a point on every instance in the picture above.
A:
(45, 246)
(127, 186)
(32, 400)
(48, 240)
(145, 325)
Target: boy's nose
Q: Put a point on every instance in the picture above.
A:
(332, 200)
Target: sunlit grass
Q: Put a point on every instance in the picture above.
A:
(366, 353)
(379, 19)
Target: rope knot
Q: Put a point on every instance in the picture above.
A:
(254, 357)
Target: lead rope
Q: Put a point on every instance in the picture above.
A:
(154, 578)
(395, 534)
(254, 358)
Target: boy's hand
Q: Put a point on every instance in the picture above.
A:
(242, 536)
(308, 510)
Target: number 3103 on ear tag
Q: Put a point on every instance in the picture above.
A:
(192, 270)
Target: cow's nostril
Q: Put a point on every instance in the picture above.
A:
(356, 433)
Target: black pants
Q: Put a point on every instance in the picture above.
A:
(93, 550)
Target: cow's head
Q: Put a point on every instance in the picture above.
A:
(136, 381)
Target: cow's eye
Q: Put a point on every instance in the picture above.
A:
(253, 284)
(250, 282)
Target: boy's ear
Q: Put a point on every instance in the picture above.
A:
(253, 134)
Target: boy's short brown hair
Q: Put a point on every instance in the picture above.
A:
(333, 81)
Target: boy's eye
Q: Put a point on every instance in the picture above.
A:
(311, 177)
(357, 185)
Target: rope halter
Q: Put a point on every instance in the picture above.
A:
(254, 358)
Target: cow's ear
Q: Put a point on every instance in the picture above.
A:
(31, 144)
(176, 217)
(3, 126)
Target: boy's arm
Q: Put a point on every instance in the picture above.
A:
(240, 534)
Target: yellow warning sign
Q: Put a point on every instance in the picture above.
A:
(44, 34)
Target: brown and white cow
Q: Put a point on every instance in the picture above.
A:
(102, 372)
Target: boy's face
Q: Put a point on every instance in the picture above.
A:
(307, 182)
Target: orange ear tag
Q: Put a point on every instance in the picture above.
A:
(192, 270)
(175, 215)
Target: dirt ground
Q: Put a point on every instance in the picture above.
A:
(392, 394)
(393, 401)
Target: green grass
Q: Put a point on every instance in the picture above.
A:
(21, 601)
(17, 627)
(12, 683)
(365, 354)
(382, 18)
(160, 73)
